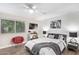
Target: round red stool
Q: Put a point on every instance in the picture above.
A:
(17, 40)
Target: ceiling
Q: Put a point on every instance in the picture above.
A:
(44, 10)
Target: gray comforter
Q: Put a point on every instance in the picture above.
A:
(36, 48)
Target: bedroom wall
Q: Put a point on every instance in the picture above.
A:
(67, 20)
(71, 23)
(5, 39)
(47, 24)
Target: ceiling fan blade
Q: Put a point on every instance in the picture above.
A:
(29, 5)
(33, 7)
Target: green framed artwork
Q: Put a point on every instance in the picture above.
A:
(20, 26)
(7, 26)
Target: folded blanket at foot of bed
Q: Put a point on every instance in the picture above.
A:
(37, 47)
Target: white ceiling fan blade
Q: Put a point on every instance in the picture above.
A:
(33, 8)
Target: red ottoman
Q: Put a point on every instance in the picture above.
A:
(17, 39)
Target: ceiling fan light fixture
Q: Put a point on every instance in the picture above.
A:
(31, 11)
(34, 7)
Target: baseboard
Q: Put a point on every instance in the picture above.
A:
(6, 46)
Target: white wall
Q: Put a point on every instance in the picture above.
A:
(47, 23)
(65, 21)
(71, 23)
(5, 39)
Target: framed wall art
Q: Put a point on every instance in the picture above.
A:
(56, 24)
(33, 26)
(20, 26)
(7, 26)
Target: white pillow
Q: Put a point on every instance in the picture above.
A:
(51, 36)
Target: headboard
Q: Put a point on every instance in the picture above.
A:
(57, 36)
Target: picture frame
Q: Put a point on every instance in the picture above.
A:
(33, 26)
(20, 26)
(56, 24)
(7, 26)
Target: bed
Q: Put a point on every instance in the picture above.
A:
(53, 44)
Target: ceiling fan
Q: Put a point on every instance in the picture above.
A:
(32, 7)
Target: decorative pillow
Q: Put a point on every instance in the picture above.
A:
(56, 36)
(51, 36)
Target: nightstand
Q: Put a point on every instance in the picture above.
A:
(72, 46)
